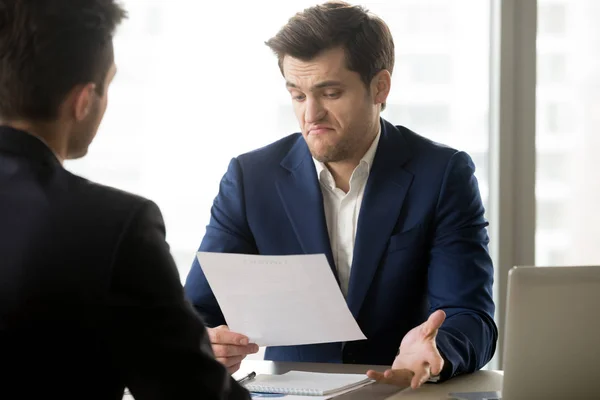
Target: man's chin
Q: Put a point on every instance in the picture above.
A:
(75, 155)
(321, 157)
(320, 153)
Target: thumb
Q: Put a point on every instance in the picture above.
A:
(222, 335)
(433, 323)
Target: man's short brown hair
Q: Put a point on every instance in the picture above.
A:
(365, 38)
(47, 47)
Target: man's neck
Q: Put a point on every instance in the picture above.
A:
(45, 132)
(342, 170)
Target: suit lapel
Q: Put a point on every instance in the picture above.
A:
(384, 195)
(301, 194)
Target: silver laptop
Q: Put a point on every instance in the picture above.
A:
(552, 336)
(552, 333)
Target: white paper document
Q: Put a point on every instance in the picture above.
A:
(280, 300)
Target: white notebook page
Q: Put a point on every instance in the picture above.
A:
(306, 383)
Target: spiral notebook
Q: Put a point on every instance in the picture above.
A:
(306, 383)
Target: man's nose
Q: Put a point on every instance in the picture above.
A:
(314, 111)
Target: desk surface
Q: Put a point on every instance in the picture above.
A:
(478, 381)
(481, 381)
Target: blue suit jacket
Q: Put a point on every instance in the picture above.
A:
(421, 245)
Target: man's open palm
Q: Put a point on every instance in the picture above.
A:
(418, 358)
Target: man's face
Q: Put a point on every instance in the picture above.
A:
(85, 130)
(336, 111)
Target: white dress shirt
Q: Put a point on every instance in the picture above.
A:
(342, 210)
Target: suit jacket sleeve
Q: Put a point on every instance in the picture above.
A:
(227, 232)
(461, 272)
(160, 345)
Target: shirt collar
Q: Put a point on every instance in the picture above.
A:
(24, 143)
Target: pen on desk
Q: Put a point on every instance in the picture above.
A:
(248, 377)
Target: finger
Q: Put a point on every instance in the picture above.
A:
(434, 322)
(230, 361)
(436, 363)
(397, 377)
(374, 375)
(222, 335)
(227, 350)
(421, 376)
(234, 368)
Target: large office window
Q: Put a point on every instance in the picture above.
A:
(196, 86)
(568, 133)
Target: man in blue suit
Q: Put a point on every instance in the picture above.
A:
(398, 216)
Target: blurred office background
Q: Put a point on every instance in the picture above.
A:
(516, 84)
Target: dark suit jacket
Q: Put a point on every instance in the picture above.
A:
(421, 245)
(90, 298)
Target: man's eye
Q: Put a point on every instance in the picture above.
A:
(299, 97)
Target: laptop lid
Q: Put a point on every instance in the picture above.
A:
(552, 333)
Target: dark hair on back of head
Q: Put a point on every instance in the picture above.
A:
(47, 47)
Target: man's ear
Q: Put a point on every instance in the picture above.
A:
(380, 86)
(83, 99)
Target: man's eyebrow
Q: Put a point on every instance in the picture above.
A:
(319, 85)
(325, 84)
